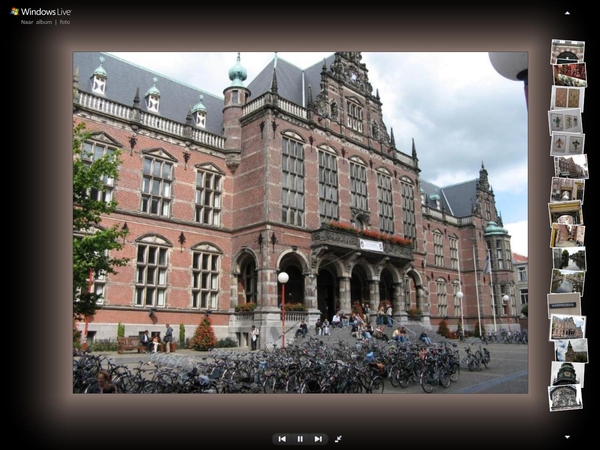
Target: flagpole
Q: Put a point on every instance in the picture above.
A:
(492, 286)
(477, 290)
(462, 322)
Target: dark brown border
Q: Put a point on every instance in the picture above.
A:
(40, 83)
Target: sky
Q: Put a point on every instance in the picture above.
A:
(460, 112)
(579, 345)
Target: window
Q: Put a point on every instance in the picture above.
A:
(355, 117)
(488, 210)
(457, 300)
(438, 248)
(205, 277)
(328, 187)
(408, 211)
(156, 186)
(454, 263)
(522, 274)
(93, 151)
(250, 281)
(385, 204)
(151, 275)
(292, 192)
(208, 197)
(442, 298)
(524, 296)
(358, 185)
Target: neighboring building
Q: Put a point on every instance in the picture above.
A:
(565, 327)
(520, 267)
(295, 172)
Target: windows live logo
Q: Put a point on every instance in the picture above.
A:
(14, 11)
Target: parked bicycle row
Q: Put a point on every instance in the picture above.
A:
(311, 367)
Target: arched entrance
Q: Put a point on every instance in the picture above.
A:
(327, 288)
(294, 288)
(359, 285)
(386, 287)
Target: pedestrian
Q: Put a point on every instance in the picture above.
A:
(254, 337)
(168, 338)
(103, 379)
(366, 312)
(389, 313)
(319, 327)
(381, 314)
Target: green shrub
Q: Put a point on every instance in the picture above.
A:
(104, 345)
(181, 335)
(227, 342)
(120, 330)
(443, 329)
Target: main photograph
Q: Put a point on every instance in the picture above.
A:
(363, 215)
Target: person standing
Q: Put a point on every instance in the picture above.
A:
(389, 313)
(254, 337)
(168, 338)
(381, 314)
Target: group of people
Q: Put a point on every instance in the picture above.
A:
(385, 315)
(152, 344)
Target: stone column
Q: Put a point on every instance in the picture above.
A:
(345, 295)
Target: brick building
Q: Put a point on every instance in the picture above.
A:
(295, 172)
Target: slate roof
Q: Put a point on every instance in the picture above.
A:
(292, 81)
(124, 77)
(457, 199)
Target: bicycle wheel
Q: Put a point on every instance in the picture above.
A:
(454, 371)
(377, 385)
(292, 385)
(394, 376)
(444, 378)
(428, 381)
(270, 385)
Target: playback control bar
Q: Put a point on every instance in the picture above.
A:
(301, 439)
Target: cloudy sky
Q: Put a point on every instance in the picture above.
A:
(579, 345)
(457, 108)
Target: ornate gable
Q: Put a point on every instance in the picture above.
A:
(160, 153)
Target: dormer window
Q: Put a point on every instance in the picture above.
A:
(199, 114)
(98, 79)
(153, 98)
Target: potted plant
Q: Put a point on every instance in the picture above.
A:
(414, 313)
(245, 307)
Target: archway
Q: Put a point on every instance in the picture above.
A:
(327, 288)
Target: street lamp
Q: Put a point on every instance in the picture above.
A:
(512, 65)
(460, 296)
(283, 278)
(505, 299)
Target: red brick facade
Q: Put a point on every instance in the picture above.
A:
(253, 240)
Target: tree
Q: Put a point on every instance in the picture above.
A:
(443, 329)
(204, 338)
(92, 243)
